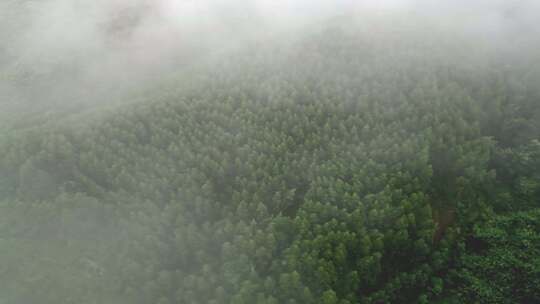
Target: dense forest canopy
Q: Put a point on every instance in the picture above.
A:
(170, 152)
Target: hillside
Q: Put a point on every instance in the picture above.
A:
(346, 165)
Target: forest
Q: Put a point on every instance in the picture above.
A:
(353, 160)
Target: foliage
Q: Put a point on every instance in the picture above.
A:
(340, 167)
(501, 264)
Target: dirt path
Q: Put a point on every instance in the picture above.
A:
(443, 219)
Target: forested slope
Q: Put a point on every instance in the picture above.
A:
(345, 166)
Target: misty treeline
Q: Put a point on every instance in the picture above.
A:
(355, 161)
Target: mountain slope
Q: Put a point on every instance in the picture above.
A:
(312, 171)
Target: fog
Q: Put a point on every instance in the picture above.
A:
(57, 52)
(59, 57)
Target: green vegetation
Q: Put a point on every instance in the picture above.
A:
(340, 167)
(501, 263)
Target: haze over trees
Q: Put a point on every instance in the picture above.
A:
(174, 152)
